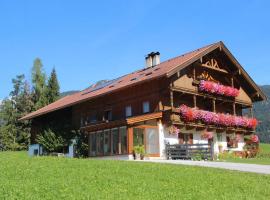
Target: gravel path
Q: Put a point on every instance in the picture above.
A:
(261, 169)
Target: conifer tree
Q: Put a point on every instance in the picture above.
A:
(14, 134)
(52, 90)
(39, 84)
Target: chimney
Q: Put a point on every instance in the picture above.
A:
(152, 59)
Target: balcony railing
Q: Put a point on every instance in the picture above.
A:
(190, 115)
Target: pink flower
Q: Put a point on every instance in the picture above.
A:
(207, 117)
(254, 138)
(216, 88)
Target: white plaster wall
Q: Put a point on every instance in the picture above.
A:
(166, 137)
(161, 140)
(223, 143)
(197, 139)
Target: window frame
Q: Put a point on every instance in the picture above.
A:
(147, 103)
(126, 111)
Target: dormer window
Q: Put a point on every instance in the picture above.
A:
(146, 107)
(128, 111)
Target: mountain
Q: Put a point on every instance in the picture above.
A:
(63, 94)
(262, 113)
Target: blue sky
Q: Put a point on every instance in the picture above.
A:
(91, 40)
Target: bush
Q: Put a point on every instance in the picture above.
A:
(51, 142)
(139, 149)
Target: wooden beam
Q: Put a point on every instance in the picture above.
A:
(232, 82)
(171, 98)
(160, 106)
(214, 105)
(194, 73)
(130, 140)
(145, 117)
(251, 111)
(194, 101)
(256, 94)
(234, 109)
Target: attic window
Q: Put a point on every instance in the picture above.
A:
(149, 73)
(156, 69)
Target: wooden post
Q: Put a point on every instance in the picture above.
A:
(130, 140)
(251, 111)
(194, 101)
(160, 106)
(232, 82)
(234, 109)
(171, 98)
(194, 73)
(214, 105)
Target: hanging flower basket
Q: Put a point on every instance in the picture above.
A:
(216, 88)
(219, 119)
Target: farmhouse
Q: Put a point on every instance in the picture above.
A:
(194, 99)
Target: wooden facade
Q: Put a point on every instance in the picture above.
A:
(117, 121)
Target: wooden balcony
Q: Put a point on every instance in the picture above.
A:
(176, 119)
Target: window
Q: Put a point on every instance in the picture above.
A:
(92, 118)
(232, 142)
(123, 133)
(92, 144)
(138, 136)
(151, 141)
(128, 111)
(219, 137)
(107, 142)
(100, 142)
(108, 115)
(81, 120)
(146, 107)
(185, 138)
(115, 141)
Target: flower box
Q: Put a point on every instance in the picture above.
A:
(218, 119)
(216, 88)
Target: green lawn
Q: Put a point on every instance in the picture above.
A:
(62, 178)
(263, 157)
(265, 148)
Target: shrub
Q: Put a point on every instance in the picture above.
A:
(50, 142)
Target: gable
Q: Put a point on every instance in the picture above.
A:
(218, 65)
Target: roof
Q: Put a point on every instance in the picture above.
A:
(166, 68)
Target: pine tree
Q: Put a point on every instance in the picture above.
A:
(52, 90)
(39, 84)
(14, 134)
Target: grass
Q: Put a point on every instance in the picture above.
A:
(263, 157)
(62, 178)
